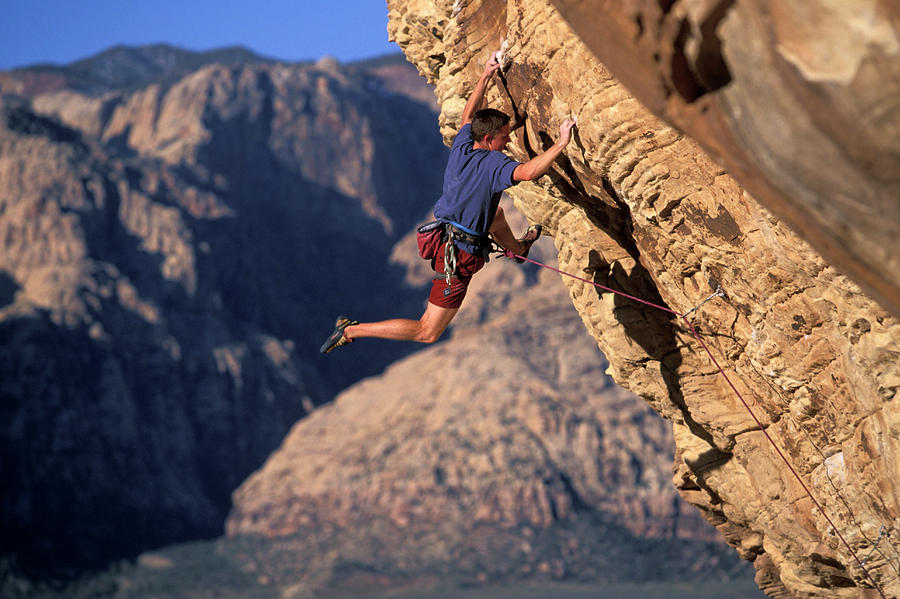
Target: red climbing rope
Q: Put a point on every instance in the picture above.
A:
(510, 254)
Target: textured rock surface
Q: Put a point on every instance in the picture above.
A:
(636, 205)
(165, 282)
(798, 100)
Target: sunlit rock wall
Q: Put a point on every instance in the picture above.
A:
(636, 205)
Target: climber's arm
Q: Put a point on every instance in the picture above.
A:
(538, 165)
(474, 102)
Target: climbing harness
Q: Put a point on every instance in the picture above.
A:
(431, 236)
(684, 317)
(457, 232)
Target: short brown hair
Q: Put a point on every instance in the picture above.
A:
(487, 122)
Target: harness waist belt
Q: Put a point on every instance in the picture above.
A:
(460, 234)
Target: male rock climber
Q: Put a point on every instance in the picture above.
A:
(477, 173)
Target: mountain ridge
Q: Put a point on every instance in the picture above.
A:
(187, 289)
(128, 67)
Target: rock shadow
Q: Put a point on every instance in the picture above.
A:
(654, 330)
(91, 439)
(8, 289)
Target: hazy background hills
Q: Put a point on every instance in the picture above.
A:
(172, 256)
(179, 231)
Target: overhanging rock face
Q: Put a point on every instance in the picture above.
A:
(798, 99)
(636, 205)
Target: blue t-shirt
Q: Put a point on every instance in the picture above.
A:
(473, 182)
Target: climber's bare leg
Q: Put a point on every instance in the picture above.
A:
(427, 329)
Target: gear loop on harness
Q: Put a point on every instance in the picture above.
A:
(431, 236)
(453, 233)
(451, 259)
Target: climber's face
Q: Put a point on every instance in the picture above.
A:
(499, 139)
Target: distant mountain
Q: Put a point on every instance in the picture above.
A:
(500, 455)
(129, 67)
(171, 255)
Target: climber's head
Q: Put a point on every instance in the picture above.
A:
(490, 129)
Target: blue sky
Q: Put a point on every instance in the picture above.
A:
(62, 31)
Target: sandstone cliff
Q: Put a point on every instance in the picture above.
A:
(797, 100)
(637, 205)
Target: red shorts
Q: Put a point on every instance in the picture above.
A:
(451, 296)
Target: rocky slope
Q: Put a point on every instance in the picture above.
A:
(501, 454)
(167, 237)
(636, 205)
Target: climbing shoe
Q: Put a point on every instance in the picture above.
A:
(531, 235)
(337, 339)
